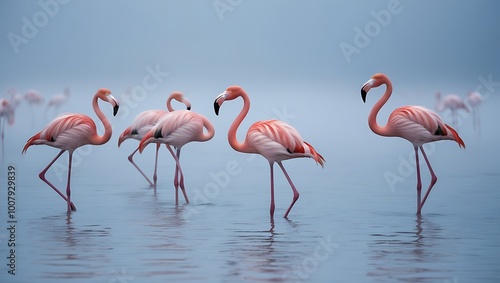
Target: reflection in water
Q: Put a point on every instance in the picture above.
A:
(407, 256)
(78, 247)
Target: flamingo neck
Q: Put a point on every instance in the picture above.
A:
(97, 140)
(169, 105)
(231, 135)
(210, 130)
(372, 118)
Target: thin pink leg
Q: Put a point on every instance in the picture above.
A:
(295, 192)
(419, 181)
(271, 210)
(433, 178)
(176, 181)
(68, 186)
(42, 177)
(131, 159)
(155, 176)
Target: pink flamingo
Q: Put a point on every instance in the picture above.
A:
(474, 100)
(70, 131)
(273, 139)
(7, 114)
(178, 128)
(33, 97)
(57, 100)
(452, 102)
(416, 124)
(143, 123)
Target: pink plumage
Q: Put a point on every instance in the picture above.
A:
(416, 124)
(177, 129)
(70, 131)
(273, 139)
(143, 123)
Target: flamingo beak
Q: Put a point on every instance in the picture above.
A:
(218, 102)
(366, 87)
(113, 102)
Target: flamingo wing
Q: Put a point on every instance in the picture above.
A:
(277, 140)
(420, 125)
(67, 131)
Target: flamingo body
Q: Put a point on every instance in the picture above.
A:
(416, 124)
(143, 123)
(273, 139)
(177, 129)
(70, 131)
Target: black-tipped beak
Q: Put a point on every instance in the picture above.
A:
(363, 94)
(115, 110)
(189, 108)
(216, 107)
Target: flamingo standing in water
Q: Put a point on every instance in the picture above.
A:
(143, 123)
(33, 97)
(6, 115)
(416, 124)
(70, 131)
(176, 129)
(474, 100)
(273, 139)
(452, 102)
(57, 100)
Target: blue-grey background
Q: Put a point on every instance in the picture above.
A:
(352, 222)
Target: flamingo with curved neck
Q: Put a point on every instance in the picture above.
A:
(70, 131)
(273, 139)
(176, 129)
(416, 124)
(142, 123)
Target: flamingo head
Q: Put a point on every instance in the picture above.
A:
(179, 96)
(231, 93)
(105, 94)
(375, 81)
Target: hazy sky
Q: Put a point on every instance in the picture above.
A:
(230, 41)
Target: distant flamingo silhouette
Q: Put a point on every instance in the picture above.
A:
(273, 139)
(70, 131)
(474, 100)
(416, 124)
(143, 123)
(57, 100)
(176, 129)
(7, 114)
(33, 97)
(452, 102)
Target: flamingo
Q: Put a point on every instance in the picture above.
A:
(6, 115)
(452, 102)
(273, 139)
(176, 129)
(33, 97)
(57, 100)
(70, 131)
(143, 123)
(416, 124)
(15, 97)
(474, 100)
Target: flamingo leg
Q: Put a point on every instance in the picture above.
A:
(131, 159)
(271, 210)
(433, 178)
(2, 125)
(419, 181)
(155, 176)
(178, 170)
(42, 177)
(295, 192)
(68, 186)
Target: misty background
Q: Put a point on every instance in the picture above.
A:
(286, 54)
